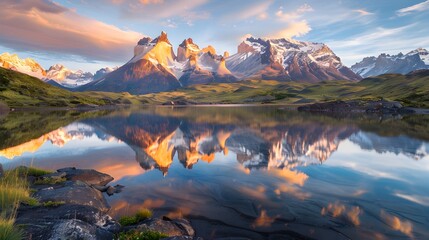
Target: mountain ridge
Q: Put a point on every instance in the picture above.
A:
(399, 63)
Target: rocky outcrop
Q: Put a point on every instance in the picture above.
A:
(287, 60)
(88, 176)
(170, 227)
(381, 106)
(77, 209)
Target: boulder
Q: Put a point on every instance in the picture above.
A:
(90, 176)
(112, 190)
(77, 192)
(172, 228)
(74, 229)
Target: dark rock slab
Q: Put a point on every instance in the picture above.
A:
(77, 192)
(89, 176)
(172, 228)
(70, 229)
(382, 106)
(38, 221)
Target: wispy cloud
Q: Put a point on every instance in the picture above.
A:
(297, 25)
(46, 26)
(294, 29)
(420, 7)
(258, 11)
(292, 16)
(362, 12)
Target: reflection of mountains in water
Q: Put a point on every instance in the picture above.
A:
(59, 137)
(397, 144)
(157, 139)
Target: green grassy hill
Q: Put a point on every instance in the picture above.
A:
(411, 90)
(21, 90)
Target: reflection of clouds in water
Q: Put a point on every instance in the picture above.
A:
(387, 165)
(422, 200)
(263, 220)
(404, 226)
(291, 176)
(123, 207)
(340, 210)
(292, 191)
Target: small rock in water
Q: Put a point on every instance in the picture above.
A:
(90, 176)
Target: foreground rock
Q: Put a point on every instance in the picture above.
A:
(385, 107)
(88, 176)
(78, 193)
(76, 209)
(170, 227)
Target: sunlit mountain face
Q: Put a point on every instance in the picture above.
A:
(257, 172)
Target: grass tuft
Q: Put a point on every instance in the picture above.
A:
(145, 235)
(49, 181)
(53, 203)
(136, 218)
(31, 171)
(9, 231)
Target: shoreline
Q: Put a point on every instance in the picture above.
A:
(72, 202)
(293, 107)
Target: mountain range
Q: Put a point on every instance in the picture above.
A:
(57, 75)
(156, 68)
(385, 63)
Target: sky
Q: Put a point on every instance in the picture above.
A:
(91, 34)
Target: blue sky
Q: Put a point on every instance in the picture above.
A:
(90, 34)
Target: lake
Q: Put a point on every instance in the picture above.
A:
(259, 172)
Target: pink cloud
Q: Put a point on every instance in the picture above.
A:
(46, 26)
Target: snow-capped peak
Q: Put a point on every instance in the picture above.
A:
(386, 63)
(28, 66)
(66, 77)
(287, 59)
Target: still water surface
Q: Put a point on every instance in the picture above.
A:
(255, 172)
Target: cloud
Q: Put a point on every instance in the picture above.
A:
(420, 7)
(362, 12)
(154, 10)
(376, 41)
(145, 2)
(38, 26)
(294, 29)
(293, 16)
(258, 11)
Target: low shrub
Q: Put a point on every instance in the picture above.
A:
(136, 218)
(145, 235)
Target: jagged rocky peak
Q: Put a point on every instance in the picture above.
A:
(145, 41)
(186, 49)
(161, 38)
(187, 42)
(287, 60)
(209, 49)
